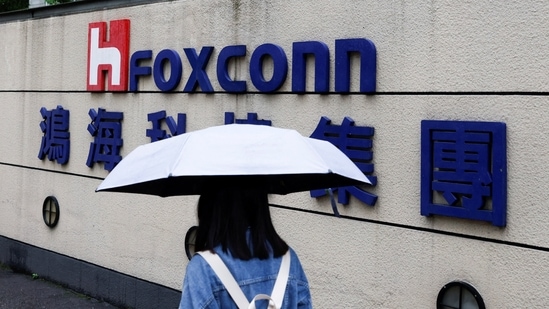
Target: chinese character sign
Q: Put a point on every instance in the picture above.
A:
(156, 133)
(356, 142)
(464, 170)
(107, 132)
(252, 119)
(56, 140)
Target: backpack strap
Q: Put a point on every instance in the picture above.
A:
(226, 278)
(223, 273)
(279, 289)
(282, 280)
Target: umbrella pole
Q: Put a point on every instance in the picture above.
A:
(332, 200)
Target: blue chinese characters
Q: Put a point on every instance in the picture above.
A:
(356, 142)
(464, 170)
(107, 132)
(56, 140)
(156, 133)
(251, 119)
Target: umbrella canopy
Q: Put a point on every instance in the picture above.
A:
(276, 160)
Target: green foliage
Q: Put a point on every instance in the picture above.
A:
(57, 1)
(12, 5)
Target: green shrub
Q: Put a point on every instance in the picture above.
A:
(12, 5)
(57, 1)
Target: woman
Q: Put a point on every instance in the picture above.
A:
(236, 225)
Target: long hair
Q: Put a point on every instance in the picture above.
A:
(224, 218)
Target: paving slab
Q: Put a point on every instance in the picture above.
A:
(22, 291)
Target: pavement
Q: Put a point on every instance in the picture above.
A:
(22, 291)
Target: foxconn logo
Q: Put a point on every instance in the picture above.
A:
(108, 55)
(112, 68)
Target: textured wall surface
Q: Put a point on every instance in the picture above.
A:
(456, 60)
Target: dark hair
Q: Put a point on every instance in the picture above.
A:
(225, 216)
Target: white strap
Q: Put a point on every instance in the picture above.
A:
(226, 278)
(279, 289)
(223, 273)
(282, 280)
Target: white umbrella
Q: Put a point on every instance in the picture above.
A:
(243, 156)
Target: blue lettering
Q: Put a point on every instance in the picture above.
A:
(322, 65)
(198, 76)
(136, 70)
(301, 51)
(223, 66)
(367, 52)
(280, 67)
(176, 69)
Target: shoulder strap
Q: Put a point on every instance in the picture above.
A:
(223, 273)
(282, 280)
(226, 278)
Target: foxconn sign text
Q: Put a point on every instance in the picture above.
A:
(112, 68)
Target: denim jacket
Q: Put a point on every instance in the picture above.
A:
(202, 288)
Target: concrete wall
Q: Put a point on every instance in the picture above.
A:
(468, 60)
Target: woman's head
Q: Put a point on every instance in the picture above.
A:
(226, 216)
